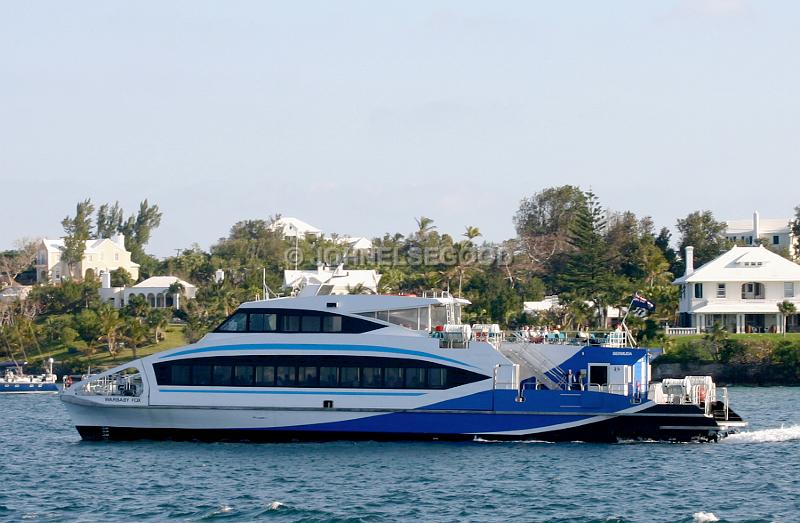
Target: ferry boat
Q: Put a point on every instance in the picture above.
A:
(392, 368)
(15, 381)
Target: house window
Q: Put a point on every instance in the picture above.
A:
(753, 291)
(749, 240)
(698, 290)
(776, 240)
(116, 256)
(720, 290)
(788, 289)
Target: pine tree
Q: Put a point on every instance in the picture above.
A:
(77, 231)
(587, 274)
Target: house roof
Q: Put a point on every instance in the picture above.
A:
(354, 242)
(743, 264)
(154, 282)
(288, 225)
(765, 226)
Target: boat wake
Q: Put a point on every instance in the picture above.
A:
(766, 435)
(704, 517)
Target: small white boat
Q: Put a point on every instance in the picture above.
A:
(15, 381)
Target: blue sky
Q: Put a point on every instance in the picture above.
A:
(359, 116)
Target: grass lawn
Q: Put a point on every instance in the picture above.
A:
(173, 337)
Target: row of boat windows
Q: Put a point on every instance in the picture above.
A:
(379, 373)
(294, 321)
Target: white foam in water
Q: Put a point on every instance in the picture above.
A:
(275, 505)
(766, 435)
(704, 517)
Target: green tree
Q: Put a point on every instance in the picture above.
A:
(587, 273)
(135, 333)
(158, 320)
(138, 228)
(110, 325)
(795, 225)
(786, 308)
(700, 230)
(121, 278)
(90, 329)
(109, 220)
(424, 226)
(471, 232)
(77, 230)
(543, 222)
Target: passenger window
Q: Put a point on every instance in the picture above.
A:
(372, 377)
(407, 318)
(201, 375)
(286, 376)
(349, 377)
(181, 375)
(437, 378)
(222, 374)
(415, 378)
(393, 378)
(332, 324)
(291, 324)
(310, 323)
(308, 376)
(265, 376)
(243, 375)
(260, 322)
(328, 376)
(236, 323)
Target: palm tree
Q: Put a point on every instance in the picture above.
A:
(135, 334)
(424, 226)
(110, 324)
(158, 319)
(786, 308)
(472, 232)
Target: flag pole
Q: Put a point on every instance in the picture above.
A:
(628, 334)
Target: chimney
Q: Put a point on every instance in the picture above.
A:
(689, 258)
(105, 279)
(756, 227)
(119, 239)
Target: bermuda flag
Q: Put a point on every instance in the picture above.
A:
(641, 306)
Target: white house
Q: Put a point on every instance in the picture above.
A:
(773, 232)
(15, 292)
(155, 290)
(354, 243)
(548, 303)
(292, 227)
(740, 290)
(325, 280)
(100, 255)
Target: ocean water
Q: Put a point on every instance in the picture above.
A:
(48, 474)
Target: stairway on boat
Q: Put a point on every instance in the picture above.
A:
(533, 363)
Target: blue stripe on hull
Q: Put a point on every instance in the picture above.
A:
(27, 387)
(431, 423)
(314, 346)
